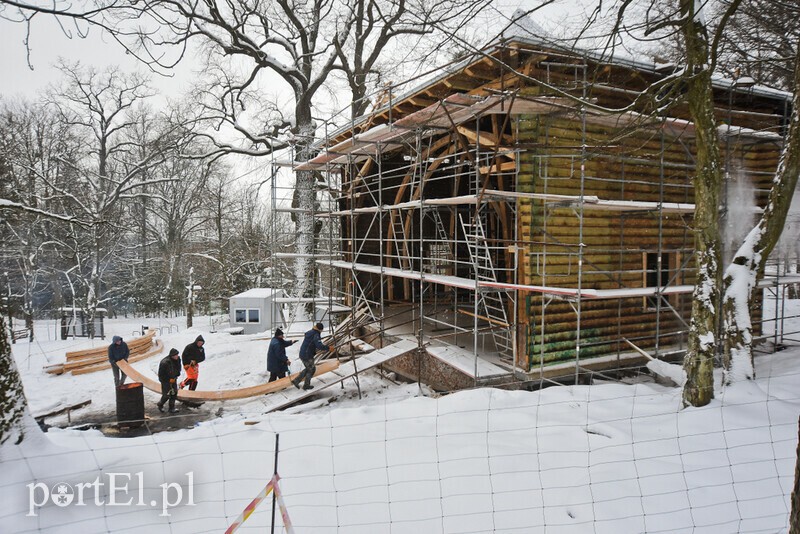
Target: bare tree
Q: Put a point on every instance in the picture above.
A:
(761, 41)
(175, 220)
(702, 343)
(794, 515)
(377, 23)
(133, 25)
(301, 44)
(13, 405)
(101, 108)
(32, 144)
(748, 264)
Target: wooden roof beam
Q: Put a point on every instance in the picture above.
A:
(479, 74)
(485, 138)
(458, 84)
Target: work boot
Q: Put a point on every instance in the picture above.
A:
(308, 386)
(296, 383)
(160, 407)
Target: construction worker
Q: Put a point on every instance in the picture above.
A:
(168, 372)
(193, 355)
(277, 362)
(312, 342)
(118, 350)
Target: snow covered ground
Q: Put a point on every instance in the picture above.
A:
(603, 458)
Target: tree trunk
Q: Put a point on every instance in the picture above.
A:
(305, 198)
(794, 516)
(13, 405)
(190, 300)
(747, 267)
(699, 360)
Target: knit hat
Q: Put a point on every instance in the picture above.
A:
(173, 352)
(319, 326)
(278, 332)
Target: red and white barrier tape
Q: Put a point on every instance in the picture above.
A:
(250, 508)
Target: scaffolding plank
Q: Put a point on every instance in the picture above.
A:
(293, 300)
(334, 308)
(453, 281)
(591, 202)
(414, 204)
(373, 359)
(466, 283)
(621, 293)
(302, 255)
(588, 202)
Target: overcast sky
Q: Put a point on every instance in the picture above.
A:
(48, 42)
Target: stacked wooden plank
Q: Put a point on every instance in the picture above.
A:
(345, 337)
(90, 360)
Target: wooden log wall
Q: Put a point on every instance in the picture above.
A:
(631, 165)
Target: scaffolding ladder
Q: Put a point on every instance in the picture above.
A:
(400, 241)
(439, 257)
(490, 301)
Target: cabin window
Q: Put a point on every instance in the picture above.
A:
(657, 274)
(247, 315)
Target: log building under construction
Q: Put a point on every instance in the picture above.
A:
(528, 212)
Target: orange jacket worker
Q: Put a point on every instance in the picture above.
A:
(193, 355)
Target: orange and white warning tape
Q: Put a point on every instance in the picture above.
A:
(250, 508)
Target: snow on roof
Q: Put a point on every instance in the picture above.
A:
(257, 293)
(523, 30)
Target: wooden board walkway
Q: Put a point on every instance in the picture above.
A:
(347, 370)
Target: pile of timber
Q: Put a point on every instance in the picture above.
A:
(90, 360)
(345, 337)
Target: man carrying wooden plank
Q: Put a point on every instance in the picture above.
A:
(312, 342)
(118, 350)
(168, 372)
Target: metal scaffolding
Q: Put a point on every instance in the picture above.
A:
(418, 228)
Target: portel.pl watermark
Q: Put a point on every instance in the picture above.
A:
(112, 489)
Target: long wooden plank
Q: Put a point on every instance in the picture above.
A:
(225, 394)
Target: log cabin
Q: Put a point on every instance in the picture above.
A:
(528, 210)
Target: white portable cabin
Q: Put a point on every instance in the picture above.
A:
(255, 310)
